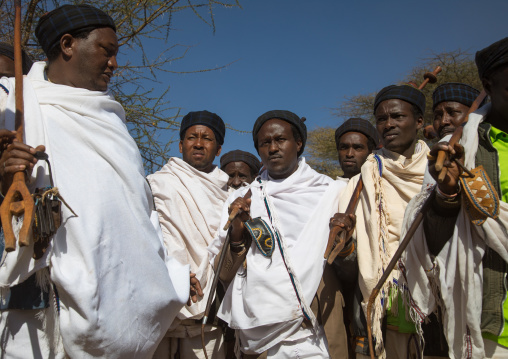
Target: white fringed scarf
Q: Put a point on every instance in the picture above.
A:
(457, 271)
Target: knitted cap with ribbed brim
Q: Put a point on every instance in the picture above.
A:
(68, 18)
(284, 115)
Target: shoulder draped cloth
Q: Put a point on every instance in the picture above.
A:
(189, 203)
(261, 301)
(457, 271)
(390, 181)
(118, 289)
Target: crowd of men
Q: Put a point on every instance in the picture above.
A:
(129, 268)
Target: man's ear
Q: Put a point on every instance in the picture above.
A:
(66, 44)
(180, 146)
(420, 123)
(299, 144)
(487, 85)
(219, 148)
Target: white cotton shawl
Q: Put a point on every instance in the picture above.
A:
(189, 203)
(457, 271)
(379, 216)
(117, 297)
(261, 301)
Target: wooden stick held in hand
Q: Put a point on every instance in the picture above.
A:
(235, 212)
(457, 134)
(389, 268)
(337, 236)
(213, 288)
(18, 199)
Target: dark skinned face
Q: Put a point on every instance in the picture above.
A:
(239, 173)
(497, 88)
(95, 59)
(199, 148)
(448, 115)
(278, 148)
(353, 150)
(397, 126)
(6, 66)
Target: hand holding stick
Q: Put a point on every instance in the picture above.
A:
(457, 134)
(337, 236)
(18, 199)
(234, 213)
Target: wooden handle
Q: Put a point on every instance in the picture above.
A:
(441, 156)
(337, 237)
(18, 199)
(429, 133)
(336, 242)
(430, 77)
(457, 134)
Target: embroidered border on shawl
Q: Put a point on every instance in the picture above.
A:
(4, 88)
(379, 164)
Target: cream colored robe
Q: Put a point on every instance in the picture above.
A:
(189, 203)
(380, 212)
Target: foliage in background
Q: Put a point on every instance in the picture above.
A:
(458, 66)
(140, 24)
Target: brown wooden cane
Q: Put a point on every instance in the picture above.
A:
(336, 242)
(391, 266)
(429, 133)
(457, 134)
(18, 199)
(337, 236)
(215, 281)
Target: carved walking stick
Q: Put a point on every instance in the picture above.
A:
(336, 242)
(18, 199)
(234, 213)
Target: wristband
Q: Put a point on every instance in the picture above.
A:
(446, 196)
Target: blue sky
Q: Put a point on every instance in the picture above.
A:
(306, 56)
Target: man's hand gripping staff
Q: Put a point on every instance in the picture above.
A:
(442, 162)
(18, 199)
(239, 212)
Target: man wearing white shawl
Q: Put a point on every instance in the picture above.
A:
(269, 300)
(189, 194)
(452, 262)
(391, 177)
(112, 283)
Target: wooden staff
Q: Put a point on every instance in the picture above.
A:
(336, 242)
(407, 238)
(457, 134)
(213, 288)
(18, 199)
